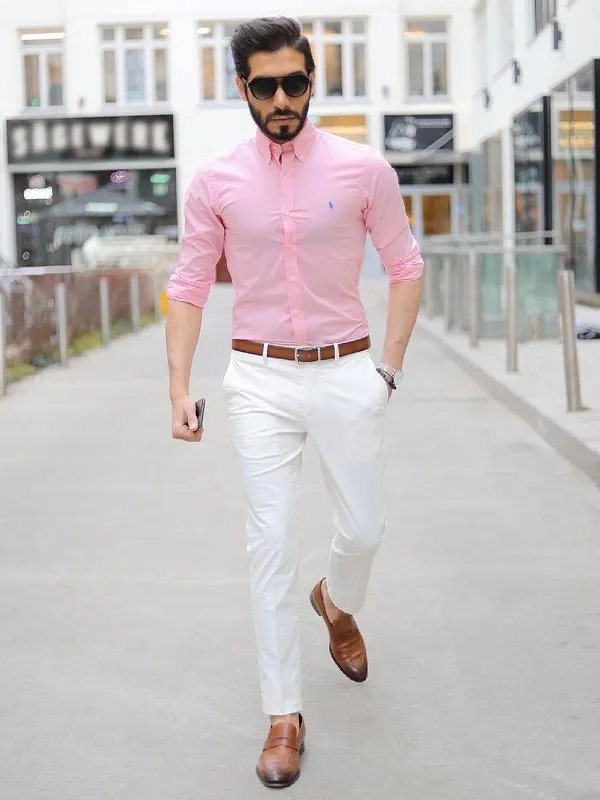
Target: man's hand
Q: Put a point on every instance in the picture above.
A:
(185, 424)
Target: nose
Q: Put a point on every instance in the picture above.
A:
(280, 98)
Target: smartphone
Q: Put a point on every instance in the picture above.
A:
(200, 405)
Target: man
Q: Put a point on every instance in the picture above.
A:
(291, 207)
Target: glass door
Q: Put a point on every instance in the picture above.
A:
(431, 212)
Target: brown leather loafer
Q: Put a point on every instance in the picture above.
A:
(279, 762)
(346, 644)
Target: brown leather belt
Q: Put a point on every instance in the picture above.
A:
(302, 353)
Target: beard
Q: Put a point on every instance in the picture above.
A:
(287, 129)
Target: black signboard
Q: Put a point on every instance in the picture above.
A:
(430, 174)
(410, 133)
(77, 139)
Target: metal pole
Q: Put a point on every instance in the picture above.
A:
(447, 272)
(104, 311)
(134, 300)
(430, 288)
(62, 330)
(566, 305)
(510, 284)
(157, 283)
(474, 299)
(3, 377)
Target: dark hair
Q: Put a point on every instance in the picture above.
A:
(266, 35)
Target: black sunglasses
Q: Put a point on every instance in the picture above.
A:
(293, 85)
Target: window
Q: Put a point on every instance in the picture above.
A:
(427, 51)
(42, 59)
(134, 63)
(544, 12)
(339, 50)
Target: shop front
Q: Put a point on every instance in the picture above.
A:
(432, 176)
(532, 165)
(77, 178)
(576, 192)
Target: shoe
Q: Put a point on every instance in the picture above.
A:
(279, 762)
(346, 644)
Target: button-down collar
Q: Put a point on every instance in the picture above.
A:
(300, 144)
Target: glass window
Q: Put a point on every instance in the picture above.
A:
(205, 30)
(416, 86)
(208, 73)
(427, 52)
(42, 67)
(110, 76)
(134, 76)
(134, 33)
(358, 26)
(160, 32)
(333, 70)
(360, 86)
(55, 79)
(160, 74)
(231, 92)
(544, 11)
(331, 26)
(135, 63)
(32, 81)
(439, 67)
(424, 26)
(307, 28)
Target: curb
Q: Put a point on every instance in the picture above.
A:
(575, 451)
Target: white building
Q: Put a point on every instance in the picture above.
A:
(102, 97)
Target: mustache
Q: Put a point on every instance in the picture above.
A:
(281, 114)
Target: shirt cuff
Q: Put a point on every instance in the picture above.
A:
(194, 293)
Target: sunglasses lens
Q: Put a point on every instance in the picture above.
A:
(295, 85)
(263, 88)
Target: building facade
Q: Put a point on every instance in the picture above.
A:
(485, 108)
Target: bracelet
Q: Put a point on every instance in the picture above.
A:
(387, 378)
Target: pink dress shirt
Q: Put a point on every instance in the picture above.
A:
(292, 220)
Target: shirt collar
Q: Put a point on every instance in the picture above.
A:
(301, 144)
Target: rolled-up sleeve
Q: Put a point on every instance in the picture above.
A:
(386, 221)
(201, 246)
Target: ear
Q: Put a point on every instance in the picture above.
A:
(313, 77)
(241, 87)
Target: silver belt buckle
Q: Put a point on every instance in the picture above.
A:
(306, 347)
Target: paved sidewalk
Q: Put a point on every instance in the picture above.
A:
(537, 392)
(127, 662)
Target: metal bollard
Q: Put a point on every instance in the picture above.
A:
(157, 284)
(3, 315)
(510, 285)
(474, 299)
(134, 300)
(566, 305)
(430, 289)
(447, 273)
(104, 311)
(62, 330)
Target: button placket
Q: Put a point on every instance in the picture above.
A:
(290, 252)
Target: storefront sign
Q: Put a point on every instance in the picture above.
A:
(414, 133)
(77, 139)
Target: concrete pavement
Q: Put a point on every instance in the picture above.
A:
(127, 662)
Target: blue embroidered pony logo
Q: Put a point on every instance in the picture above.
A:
(330, 204)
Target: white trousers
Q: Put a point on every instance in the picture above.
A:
(273, 404)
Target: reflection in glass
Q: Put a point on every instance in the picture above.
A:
(333, 70)
(55, 79)
(134, 76)
(32, 81)
(415, 70)
(574, 173)
(528, 169)
(110, 77)
(160, 74)
(421, 26)
(437, 214)
(440, 78)
(360, 88)
(358, 26)
(231, 92)
(134, 33)
(208, 73)
(332, 26)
